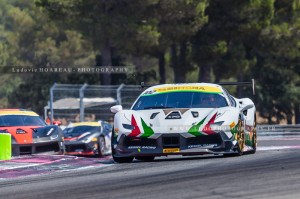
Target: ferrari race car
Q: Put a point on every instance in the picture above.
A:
(184, 119)
(29, 132)
(88, 138)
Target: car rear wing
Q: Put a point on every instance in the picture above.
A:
(143, 85)
(239, 84)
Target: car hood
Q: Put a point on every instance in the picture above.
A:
(82, 137)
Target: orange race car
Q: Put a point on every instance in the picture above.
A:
(30, 133)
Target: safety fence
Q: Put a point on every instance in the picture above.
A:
(278, 130)
(83, 102)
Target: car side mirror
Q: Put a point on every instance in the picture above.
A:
(243, 108)
(116, 108)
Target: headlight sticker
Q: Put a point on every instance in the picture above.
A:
(50, 131)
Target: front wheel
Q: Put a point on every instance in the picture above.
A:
(123, 159)
(61, 149)
(101, 146)
(240, 138)
(118, 159)
(254, 138)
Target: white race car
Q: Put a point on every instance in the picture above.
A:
(184, 119)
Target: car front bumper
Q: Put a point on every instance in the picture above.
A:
(81, 148)
(37, 147)
(174, 144)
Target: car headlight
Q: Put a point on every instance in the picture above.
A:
(217, 126)
(90, 139)
(128, 126)
(54, 137)
(220, 113)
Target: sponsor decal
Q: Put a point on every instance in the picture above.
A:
(171, 150)
(202, 146)
(233, 128)
(210, 89)
(232, 125)
(134, 147)
(207, 129)
(194, 130)
(142, 147)
(148, 131)
(50, 131)
(136, 130)
(148, 147)
(167, 89)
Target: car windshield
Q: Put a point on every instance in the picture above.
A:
(21, 120)
(180, 100)
(79, 130)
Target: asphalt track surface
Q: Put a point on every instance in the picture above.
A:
(273, 173)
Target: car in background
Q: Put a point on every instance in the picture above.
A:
(29, 132)
(88, 138)
(184, 119)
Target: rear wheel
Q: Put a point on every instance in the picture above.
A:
(145, 158)
(101, 146)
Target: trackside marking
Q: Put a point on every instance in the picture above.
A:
(268, 148)
(287, 138)
(43, 165)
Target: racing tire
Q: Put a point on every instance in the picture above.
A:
(62, 149)
(240, 139)
(254, 138)
(101, 146)
(118, 159)
(123, 159)
(145, 158)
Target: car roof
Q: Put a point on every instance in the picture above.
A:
(86, 124)
(17, 112)
(196, 87)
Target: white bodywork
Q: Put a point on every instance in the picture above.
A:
(189, 122)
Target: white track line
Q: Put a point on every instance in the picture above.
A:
(269, 148)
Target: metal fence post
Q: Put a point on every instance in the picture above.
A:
(119, 98)
(46, 111)
(51, 103)
(77, 102)
(81, 103)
